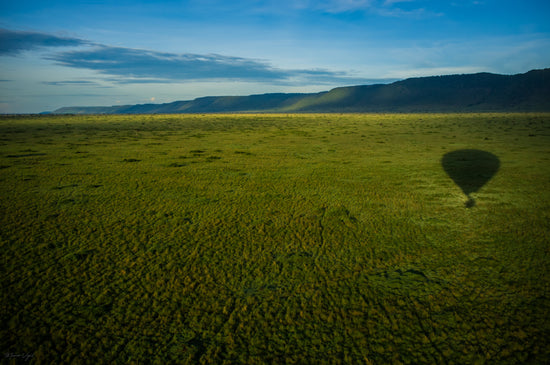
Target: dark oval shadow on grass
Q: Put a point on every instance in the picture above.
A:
(470, 170)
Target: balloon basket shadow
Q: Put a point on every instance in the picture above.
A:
(470, 203)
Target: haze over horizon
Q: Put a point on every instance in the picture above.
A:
(62, 53)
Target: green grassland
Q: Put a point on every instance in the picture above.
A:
(272, 239)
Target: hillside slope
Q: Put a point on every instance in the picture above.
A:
(454, 93)
(475, 92)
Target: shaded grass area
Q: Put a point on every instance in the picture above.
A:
(273, 239)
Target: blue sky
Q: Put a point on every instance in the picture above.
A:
(97, 52)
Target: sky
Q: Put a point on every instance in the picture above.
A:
(59, 53)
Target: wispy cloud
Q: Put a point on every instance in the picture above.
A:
(401, 13)
(431, 71)
(121, 65)
(65, 83)
(391, 2)
(129, 65)
(14, 42)
(78, 83)
(138, 63)
(338, 6)
(385, 8)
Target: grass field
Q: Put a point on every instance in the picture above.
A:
(273, 239)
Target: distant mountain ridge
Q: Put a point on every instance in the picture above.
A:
(481, 92)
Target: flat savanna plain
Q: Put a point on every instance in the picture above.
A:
(273, 239)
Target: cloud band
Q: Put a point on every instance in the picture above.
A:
(14, 42)
(128, 65)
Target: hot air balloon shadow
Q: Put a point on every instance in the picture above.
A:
(470, 170)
